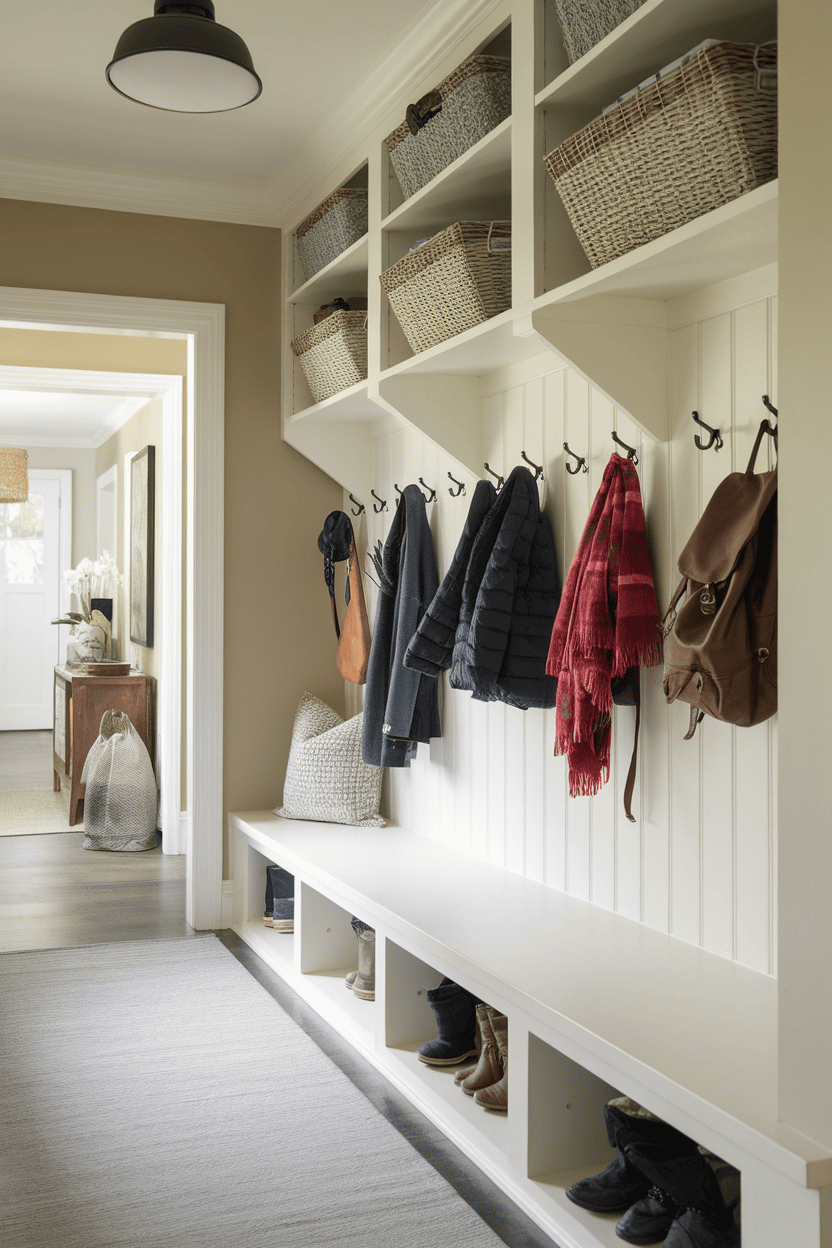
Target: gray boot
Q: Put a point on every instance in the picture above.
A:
(364, 984)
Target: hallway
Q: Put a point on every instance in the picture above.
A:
(54, 894)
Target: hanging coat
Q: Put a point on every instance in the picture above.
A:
(507, 605)
(401, 705)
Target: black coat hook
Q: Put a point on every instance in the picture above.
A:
(383, 502)
(538, 471)
(770, 405)
(631, 450)
(431, 498)
(460, 487)
(580, 466)
(360, 506)
(500, 480)
(715, 439)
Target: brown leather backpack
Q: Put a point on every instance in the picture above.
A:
(720, 645)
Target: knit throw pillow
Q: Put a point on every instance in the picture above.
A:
(326, 777)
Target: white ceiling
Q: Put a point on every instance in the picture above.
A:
(56, 105)
(36, 418)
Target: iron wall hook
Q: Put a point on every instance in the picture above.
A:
(360, 506)
(767, 401)
(431, 498)
(500, 480)
(580, 466)
(715, 439)
(460, 487)
(383, 502)
(631, 450)
(538, 471)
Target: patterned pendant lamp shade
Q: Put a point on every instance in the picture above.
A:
(14, 475)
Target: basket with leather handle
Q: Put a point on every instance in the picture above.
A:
(337, 543)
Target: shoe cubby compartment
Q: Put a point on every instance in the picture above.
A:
(276, 947)
(408, 1022)
(328, 951)
(567, 1136)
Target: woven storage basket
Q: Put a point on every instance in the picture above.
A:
(584, 23)
(465, 106)
(333, 354)
(455, 281)
(334, 226)
(697, 136)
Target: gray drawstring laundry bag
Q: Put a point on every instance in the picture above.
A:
(121, 796)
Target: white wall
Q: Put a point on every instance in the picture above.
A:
(699, 861)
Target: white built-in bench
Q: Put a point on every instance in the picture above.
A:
(598, 1005)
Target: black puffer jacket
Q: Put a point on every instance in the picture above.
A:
(506, 606)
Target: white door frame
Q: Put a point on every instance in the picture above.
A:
(202, 325)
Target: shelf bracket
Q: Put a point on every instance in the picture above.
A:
(446, 407)
(621, 346)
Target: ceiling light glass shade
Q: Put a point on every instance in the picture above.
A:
(14, 475)
(183, 61)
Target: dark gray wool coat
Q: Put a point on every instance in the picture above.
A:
(491, 621)
(401, 705)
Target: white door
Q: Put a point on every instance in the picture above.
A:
(30, 598)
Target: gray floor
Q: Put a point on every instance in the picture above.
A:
(25, 760)
(54, 894)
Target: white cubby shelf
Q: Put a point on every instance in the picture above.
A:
(598, 1005)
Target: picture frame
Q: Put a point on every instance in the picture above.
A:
(142, 508)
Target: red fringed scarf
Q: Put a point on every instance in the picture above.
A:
(607, 622)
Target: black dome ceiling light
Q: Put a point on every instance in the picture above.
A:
(183, 61)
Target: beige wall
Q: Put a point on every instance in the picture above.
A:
(143, 429)
(277, 625)
(112, 353)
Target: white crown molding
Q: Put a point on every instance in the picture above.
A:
(385, 89)
(128, 190)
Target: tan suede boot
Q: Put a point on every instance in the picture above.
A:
(488, 1069)
(482, 1014)
(495, 1095)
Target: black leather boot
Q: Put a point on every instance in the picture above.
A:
(649, 1219)
(623, 1183)
(703, 1219)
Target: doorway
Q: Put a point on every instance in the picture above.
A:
(202, 327)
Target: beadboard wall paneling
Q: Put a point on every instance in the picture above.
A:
(699, 860)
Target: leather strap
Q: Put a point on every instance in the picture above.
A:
(335, 618)
(631, 774)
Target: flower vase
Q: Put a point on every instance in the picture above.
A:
(89, 640)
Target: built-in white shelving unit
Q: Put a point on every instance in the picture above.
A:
(700, 1047)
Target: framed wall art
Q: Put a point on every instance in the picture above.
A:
(142, 508)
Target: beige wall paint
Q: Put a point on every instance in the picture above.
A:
(805, 678)
(81, 463)
(277, 625)
(143, 429)
(112, 353)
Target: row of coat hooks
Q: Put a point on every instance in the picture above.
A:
(715, 439)
(381, 503)
(581, 465)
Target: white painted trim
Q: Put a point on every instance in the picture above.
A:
(119, 190)
(203, 326)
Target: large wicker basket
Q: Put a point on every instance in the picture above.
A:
(465, 106)
(584, 23)
(457, 280)
(334, 226)
(333, 353)
(700, 134)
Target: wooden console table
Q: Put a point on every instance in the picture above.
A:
(79, 703)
